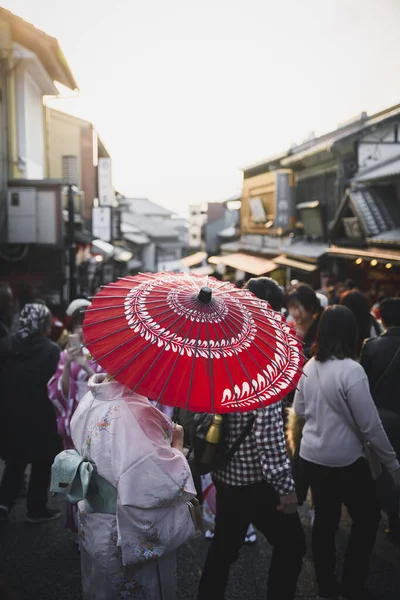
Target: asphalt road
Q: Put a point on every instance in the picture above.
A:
(41, 562)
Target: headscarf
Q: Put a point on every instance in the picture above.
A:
(33, 319)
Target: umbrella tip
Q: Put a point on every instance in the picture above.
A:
(205, 294)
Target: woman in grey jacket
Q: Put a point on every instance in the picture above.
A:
(340, 416)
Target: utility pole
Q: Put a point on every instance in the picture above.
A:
(70, 176)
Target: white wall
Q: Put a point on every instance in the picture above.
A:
(371, 150)
(197, 218)
(30, 126)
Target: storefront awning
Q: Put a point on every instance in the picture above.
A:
(194, 259)
(284, 261)
(245, 262)
(368, 253)
(122, 254)
(208, 270)
(390, 168)
(102, 247)
(140, 239)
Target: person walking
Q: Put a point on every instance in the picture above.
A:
(367, 325)
(340, 417)
(266, 288)
(69, 385)
(28, 427)
(305, 309)
(256, 486)
(380, 358)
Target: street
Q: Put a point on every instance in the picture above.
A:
(41, 562)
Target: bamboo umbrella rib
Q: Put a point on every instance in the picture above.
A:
(158, 358)
(247, 375)
(128, 342)
(227, 371)
(279, 353)
(193, 365)
(174, 365)
(280, 341)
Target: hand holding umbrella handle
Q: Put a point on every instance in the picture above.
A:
(177, 437)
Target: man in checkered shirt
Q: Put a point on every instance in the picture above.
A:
(256, 486)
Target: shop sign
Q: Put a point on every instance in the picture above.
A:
(101, 223)
(106, 191)
(283, 200)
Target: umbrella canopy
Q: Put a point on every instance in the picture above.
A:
(193, 342)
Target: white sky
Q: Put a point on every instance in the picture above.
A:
(184, 93)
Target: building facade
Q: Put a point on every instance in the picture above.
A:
(31, 221)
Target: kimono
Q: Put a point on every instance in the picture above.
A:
(131, 554)
(78, 387)
(65, 408)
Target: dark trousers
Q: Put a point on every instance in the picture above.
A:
(38, 484)
(353, 487)
(237, 506)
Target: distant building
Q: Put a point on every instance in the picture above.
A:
(197, 219)
(157, 237)
(32, 248)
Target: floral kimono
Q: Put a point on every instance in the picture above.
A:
(65, 408)
(131, 554)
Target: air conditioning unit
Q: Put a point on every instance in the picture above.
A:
(32, 216)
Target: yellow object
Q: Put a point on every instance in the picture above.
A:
(214, 432)
(374, 262)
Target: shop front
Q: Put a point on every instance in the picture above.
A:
(373, 270)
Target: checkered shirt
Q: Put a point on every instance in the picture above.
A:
(262, 455)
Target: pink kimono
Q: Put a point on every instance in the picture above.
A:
(131, 554)
(65, 408)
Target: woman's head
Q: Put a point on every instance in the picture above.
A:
(358, 304)
(337, 334)
(266, 289)
(303, 305)
(35, 319)
(76, 315)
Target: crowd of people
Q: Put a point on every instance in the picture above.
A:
(334, 441)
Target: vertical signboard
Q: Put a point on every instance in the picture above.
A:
(106, 192)
(101, 223)
(283, 200)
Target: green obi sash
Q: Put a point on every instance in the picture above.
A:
(78, 479)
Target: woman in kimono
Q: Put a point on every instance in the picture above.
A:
(69, 384)
(138, 515)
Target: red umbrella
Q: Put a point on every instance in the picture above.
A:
(193, 342)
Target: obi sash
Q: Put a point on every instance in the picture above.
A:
(77, 478)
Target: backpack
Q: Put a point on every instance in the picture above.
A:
(207, 457)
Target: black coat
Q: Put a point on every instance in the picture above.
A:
(28, 426)
(375, 357)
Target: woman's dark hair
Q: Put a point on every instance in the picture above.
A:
(76, 319)
(266, 289)
(358, 304)
(337, 334)
(390, 312)
(305, 296)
